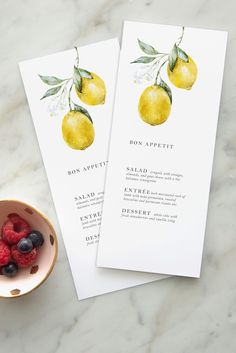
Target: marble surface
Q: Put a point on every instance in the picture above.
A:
(176, 315)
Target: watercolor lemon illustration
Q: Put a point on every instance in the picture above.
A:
(184, 73)
(93, 90)
(154, 105)
(155, 102)
(77, 126)
(77, 130)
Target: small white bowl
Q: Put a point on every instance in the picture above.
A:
(30, 278)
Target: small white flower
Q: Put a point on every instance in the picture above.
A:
(144, 73)
(52, 108)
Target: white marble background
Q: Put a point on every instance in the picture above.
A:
(176, 315)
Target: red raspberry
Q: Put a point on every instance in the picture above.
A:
(14, 229)
(23, 260)
(5, 254)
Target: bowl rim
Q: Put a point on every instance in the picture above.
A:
(55, 242)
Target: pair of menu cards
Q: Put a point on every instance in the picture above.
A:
(127, 138)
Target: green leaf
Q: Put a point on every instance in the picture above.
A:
(143, 60)
(51, 80)
(85, 73)
(166, 88)
(182, 55)
(82, 110)
(51, 92)
(173, 56)
(146, 48)
(77, 79)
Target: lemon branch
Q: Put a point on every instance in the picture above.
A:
(77, 57)
(179, 40)
(177, 43)
(153, 66)
(70, 89)
(159, 70)
(157, 61)
(161, 56)
(69, 96)
(63, 91)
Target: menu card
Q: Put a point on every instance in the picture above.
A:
(161, 150)
(71, 95)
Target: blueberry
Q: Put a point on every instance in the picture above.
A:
(25, 245)
(10, 270)
(36, 237)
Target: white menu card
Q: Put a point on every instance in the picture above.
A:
(161, 151)
(70, 95)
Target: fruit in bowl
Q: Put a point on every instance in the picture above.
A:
(28, 248)
(19, 245)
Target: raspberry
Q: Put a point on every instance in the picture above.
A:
(5, 254)
(14, 229)
(23, 260)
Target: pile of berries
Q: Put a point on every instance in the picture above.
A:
(19, 245)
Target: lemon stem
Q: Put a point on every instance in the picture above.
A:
(180, 38)
(69, 97)
(162, 54)
(159, 70)
(77, 56)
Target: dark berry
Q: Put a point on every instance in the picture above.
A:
(36, 237)
(25, 245)
(10, 270)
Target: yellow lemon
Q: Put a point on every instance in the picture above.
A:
(154, 105)
(184, 73)
(77, 130)
(93, 90)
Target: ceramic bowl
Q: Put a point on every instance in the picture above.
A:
(30, 278)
